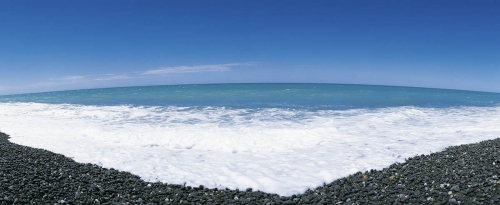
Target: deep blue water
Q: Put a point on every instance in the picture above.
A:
(294, 96)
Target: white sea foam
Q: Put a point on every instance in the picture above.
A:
(272, 150)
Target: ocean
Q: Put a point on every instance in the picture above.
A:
(278, 138)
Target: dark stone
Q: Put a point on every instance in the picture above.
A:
(455, 188)
(36, 176)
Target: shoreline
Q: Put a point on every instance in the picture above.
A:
(464, 174)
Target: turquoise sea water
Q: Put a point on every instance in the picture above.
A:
(249, 135)
(251, 96)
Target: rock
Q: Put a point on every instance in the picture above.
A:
(455, 188)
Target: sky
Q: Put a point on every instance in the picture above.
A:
(64, 45)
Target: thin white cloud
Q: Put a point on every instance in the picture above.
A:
(72, 82)
(36, 87)
(111, 77)
(81, 78)
(85, 81)
(4, 89)
(193, 69)
(70, 79)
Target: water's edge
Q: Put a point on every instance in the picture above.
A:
(461, 174)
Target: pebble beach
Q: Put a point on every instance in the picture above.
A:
(465, 174)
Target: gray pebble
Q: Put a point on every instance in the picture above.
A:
(447, 177)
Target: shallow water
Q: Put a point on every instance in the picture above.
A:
(279, 138)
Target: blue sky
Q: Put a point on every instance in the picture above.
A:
(60, 45)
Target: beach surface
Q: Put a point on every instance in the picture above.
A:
(465, 174)
(277, 138)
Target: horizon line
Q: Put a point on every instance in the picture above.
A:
(188, 84)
